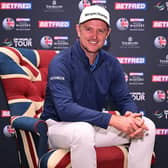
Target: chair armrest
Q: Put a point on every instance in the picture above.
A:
(35, 126)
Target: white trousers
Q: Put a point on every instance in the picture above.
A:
(82, 137)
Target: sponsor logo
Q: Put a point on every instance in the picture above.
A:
(53, 6)
(161, 131)
(8, 131)
(53, 24)
(160, 114)
(15, 5)
(5, 113)
(57, 78)
(159, 96)
(160, 24)
(132, 60)
(138, 96)
(160, 42)
(136, 74)
(122, 24)
(129, 6)
(7, 42)
(57, 42)
(133, 24)
(46, 42)
(22, 42)
(130, 43)
(83, 3)
(136, 78)
(164, 61)
(137, 24)
(126, 76)
(98, 1)
(8, 23)
(61, 42)
(160, 6)
(159, 78)
(23, 24)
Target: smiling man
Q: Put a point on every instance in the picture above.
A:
(81, 80)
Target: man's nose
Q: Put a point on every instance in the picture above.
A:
(94, 34)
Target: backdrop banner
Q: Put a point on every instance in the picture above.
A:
(139, 40)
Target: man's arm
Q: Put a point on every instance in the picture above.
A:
(119, 91)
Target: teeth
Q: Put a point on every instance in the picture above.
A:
(94, 42)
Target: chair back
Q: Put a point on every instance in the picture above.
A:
(24, 76)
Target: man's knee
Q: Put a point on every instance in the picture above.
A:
(151, 126)
(83, 132)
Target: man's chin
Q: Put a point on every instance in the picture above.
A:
(92, 51)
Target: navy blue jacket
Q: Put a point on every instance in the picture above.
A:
(75, 92)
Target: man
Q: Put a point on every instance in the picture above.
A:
(81, 81)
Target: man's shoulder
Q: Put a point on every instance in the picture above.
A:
(62, 55)
(108, 56)
(61, 60)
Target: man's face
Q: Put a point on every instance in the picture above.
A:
(92, 34)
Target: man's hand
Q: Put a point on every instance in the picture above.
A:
(132, 124)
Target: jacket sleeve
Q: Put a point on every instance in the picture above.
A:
(59, 85)
(120, 91)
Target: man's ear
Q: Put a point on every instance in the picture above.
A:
(78, 30)
(108, 33)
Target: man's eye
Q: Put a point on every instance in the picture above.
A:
(87, 29)
(101, 31)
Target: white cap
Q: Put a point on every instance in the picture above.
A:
(94, 12)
